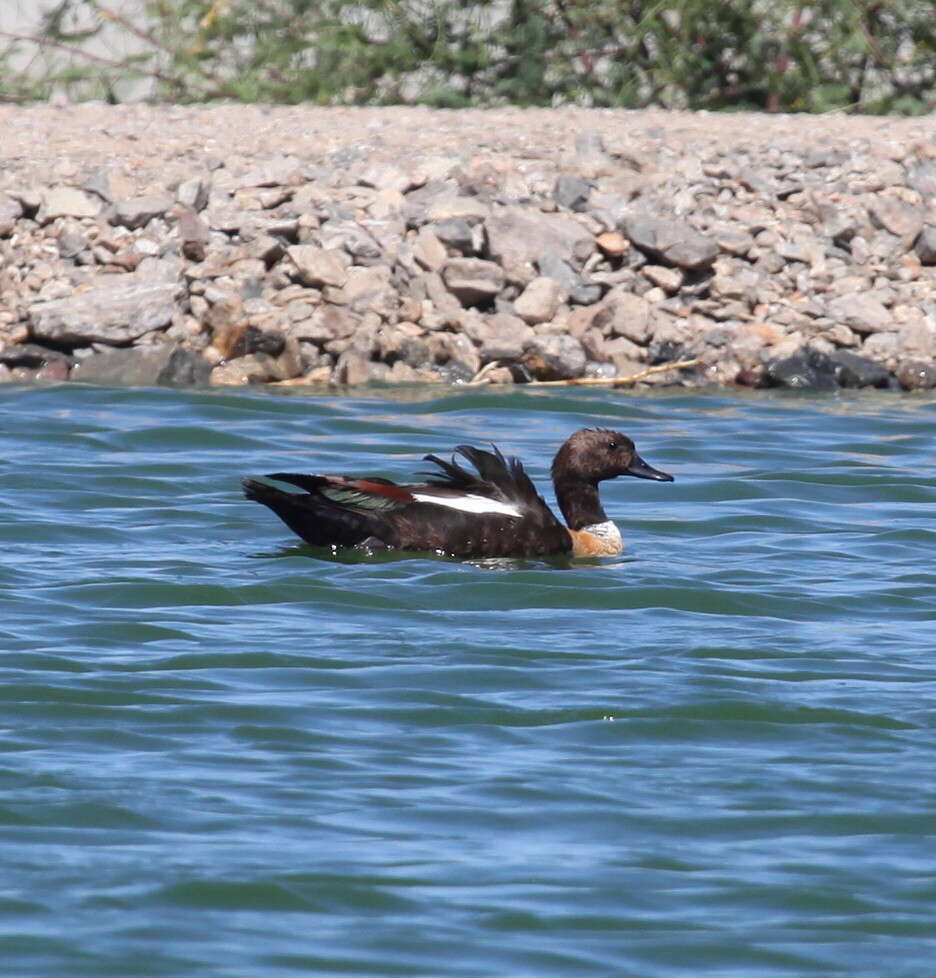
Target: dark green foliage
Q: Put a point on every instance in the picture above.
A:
(773, 55)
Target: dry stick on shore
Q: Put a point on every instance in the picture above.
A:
(481, 376)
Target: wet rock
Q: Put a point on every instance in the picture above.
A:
(137, 212)
(852, 370)
(29, 355)
(113, 313)
(555, 357)
(807, 368)
(676, 243)
(863, 312)
(539, 301)
(917, 375)
(54, 372)
(473, 281)
(147, 366)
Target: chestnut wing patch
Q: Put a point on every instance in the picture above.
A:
(372, 495)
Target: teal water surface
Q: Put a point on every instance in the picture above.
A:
(226, 754)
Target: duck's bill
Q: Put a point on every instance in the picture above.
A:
(641, 470)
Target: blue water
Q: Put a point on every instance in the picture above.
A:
(227, 754)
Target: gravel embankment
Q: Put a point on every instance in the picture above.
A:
(237, 244)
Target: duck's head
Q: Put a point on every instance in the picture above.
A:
(594, 454)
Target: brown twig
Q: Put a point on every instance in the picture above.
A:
(481, 377)
(661, 368)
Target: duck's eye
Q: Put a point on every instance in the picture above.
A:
(612, 446)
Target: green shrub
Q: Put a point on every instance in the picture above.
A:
(784, 55)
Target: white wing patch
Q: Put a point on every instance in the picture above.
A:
(469, 503)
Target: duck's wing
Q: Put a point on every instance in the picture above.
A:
(496, 477)
(370, 494)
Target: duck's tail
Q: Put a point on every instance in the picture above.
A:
(314, 518)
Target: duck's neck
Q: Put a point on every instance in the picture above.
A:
(579, 503)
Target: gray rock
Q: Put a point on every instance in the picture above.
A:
(194, 193)
(472, 280)
(72, 240)
(29, 355)
(852, 370)
(917, 375)
(110, 184)
(560, 271)
(318, 267)
(590, 154)
(862, 312)
(734, 241)
(139, 211)
(807, 368)
(194, 234)
(281, 171)
(899, 218)
(455, 232)
(354, 368)
(838, 223)
(539, 301)
(11, 211)
(146, 366)
(621, 313)
(349, 236)
(387, 176)
(922, 178)
(429, 251)
(572, 192)
(369, 289)
(115, 313)
(926, 245)
(67, 202)
(557, 356)
(455, 207)
(518, 237)
(500, 336)
(673, 242)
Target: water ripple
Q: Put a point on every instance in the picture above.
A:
(224, 752)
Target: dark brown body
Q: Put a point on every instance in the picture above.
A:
(511, 520)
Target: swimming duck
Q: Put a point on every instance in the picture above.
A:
(492, 512)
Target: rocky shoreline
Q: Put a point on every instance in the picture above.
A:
(251, 244)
